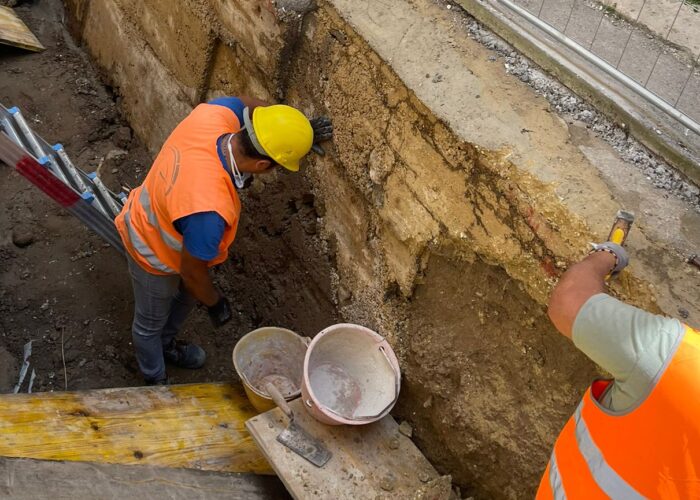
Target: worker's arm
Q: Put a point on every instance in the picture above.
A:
(578, 284)
(201, 236)
(252, 102)
(629, 343)
(195, 275)
(238, 104)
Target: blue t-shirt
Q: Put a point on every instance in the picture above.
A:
(202, 232)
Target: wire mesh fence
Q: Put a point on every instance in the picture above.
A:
(653, 47)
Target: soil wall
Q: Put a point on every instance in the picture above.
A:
(451, 199)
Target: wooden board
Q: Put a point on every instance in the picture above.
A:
(371, 462)
(199, 426)
(14, 32)
(22, 479)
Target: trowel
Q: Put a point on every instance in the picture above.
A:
(294, 437)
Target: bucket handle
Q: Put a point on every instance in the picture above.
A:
(397, 373)
(382, 349)
(383, 343)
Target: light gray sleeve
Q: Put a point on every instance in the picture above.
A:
(629, 343)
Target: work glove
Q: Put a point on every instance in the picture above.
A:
(621, 257)
(220, 313)
(323, 131)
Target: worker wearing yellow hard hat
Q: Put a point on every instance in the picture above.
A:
(184, 216)
(265, 128)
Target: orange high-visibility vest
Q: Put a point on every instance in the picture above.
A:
(187, 177)
(651, 450)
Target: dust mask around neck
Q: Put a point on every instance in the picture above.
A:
(239, 178)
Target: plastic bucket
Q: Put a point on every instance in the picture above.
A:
(270, 355)
(351, 376)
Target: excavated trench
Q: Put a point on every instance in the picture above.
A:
(425, 229)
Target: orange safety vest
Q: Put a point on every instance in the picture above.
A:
(651, 450)
(186, 178)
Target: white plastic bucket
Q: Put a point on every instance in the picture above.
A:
(351, 376)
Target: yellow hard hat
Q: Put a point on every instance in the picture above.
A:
(281, 132)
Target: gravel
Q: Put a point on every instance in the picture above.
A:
(569, 105)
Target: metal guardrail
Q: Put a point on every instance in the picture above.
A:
(559, 34)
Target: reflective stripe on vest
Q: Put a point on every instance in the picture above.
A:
(145, 201)
(650, 450)
(555, 479)
(604, 476)
(138, 245)
(607, 479)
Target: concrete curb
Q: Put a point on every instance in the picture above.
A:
(577, 75)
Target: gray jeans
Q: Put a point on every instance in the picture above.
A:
(161, 306)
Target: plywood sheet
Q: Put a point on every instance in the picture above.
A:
(199, 426)
(14, 32)
(372, 461)
(22, 479)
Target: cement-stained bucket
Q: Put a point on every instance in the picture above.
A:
(351, 376)
(273, 355)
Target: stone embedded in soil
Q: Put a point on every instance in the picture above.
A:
(388, 482)
(440, 487)
(116, 156)
(381, 161)
(344, 295)
(406, 429)
(694, 260)
(122, 137)
(22, 238)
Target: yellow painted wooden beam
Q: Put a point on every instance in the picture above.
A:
(14, 32)
(199, 426)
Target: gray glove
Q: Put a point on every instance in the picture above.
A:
(323, 131)
(621, 257)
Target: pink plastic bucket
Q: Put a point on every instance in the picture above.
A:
(351, 376)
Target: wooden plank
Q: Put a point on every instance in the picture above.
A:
(14, 32)
(371, 462)
(21, 479)
(199, 426)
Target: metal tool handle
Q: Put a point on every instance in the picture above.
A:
(279, 400)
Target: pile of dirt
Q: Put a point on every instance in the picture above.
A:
(68, 292)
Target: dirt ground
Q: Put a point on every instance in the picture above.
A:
(68, 292)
